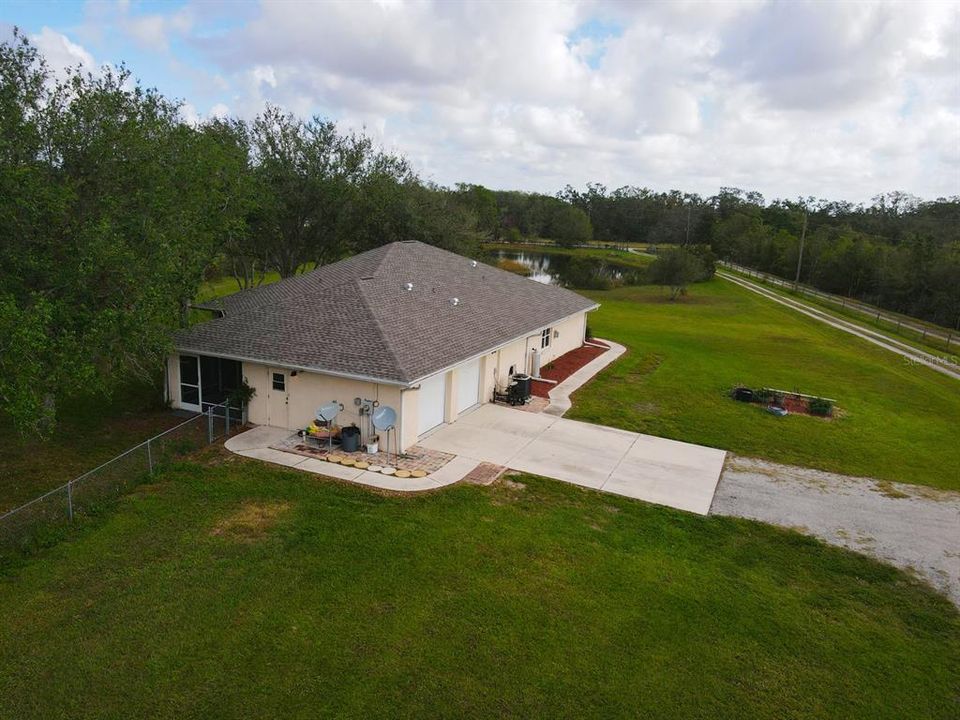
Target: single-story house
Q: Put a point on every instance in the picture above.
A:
(425, 331)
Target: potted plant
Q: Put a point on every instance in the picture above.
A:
(239, 398)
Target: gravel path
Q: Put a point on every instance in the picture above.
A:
(915, 528)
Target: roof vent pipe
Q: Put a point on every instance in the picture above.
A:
(454, 301)
(408, 286)
(473, 263)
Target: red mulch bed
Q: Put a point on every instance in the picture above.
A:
(565, 366)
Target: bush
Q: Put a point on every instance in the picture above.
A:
(821, 407)
(762, 395)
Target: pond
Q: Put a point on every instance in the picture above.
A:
(567, 271)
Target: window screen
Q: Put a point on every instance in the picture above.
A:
(545, 338)
(279, 381)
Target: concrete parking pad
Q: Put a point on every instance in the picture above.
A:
(488, 434)
(576, 452)
(666, 472)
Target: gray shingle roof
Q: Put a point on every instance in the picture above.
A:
(356, 317)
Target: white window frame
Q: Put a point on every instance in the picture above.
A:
(545, 337)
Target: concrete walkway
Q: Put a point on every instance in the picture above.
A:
(912, 527)
(255, 443)
(676, 474)
(560, 394)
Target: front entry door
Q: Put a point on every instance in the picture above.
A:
(278, 398)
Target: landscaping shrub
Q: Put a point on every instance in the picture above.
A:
(821, 407)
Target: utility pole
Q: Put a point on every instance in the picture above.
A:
(803, 235)
(689, 208)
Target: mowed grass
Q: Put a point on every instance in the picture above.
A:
(229, 587)
(918, 340)
(896, 421)
(227, 284)
(90, 431)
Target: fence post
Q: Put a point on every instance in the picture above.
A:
(70, 501)
(226, 425)
(209, 425)
(149, 458)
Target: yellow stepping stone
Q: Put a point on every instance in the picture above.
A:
(335, 458)
(348, 461)
(403, 473)
(361, 465)
(418, 473)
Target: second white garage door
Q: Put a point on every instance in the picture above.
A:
(430, 403)
(468, 385)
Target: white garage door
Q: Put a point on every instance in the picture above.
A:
(432, 398)
(468, 385)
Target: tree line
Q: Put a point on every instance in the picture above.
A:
(114, 210)
(898, 252)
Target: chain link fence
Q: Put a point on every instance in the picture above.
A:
(47, 514)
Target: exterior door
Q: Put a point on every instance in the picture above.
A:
(278, 398)
(468, 385)
(430, 403)
(190, 382)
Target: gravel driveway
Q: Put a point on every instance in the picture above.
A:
(915, 528)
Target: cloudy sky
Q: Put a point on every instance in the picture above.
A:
(831, 99)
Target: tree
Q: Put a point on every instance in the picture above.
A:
(111, 209)
(568, 225)
(676, 268)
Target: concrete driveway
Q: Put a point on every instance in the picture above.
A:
(666, 472)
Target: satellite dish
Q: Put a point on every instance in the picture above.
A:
(328, 412)
(384, 417)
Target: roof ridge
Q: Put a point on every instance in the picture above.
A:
(372, 314)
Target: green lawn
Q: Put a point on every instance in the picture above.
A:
(227, 284)
(913, 338)
(229, 588)
(897, 421)
(90, 431)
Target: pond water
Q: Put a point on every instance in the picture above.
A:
(568, 271)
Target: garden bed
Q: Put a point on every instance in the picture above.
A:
(565, 366)
(793, 402)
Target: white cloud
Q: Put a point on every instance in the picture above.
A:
(61, 53)
(842, 99)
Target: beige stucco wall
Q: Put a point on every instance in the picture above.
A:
(408, 418)
(488, 376)
(306, 391)
(570, 336)
(570, 333)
